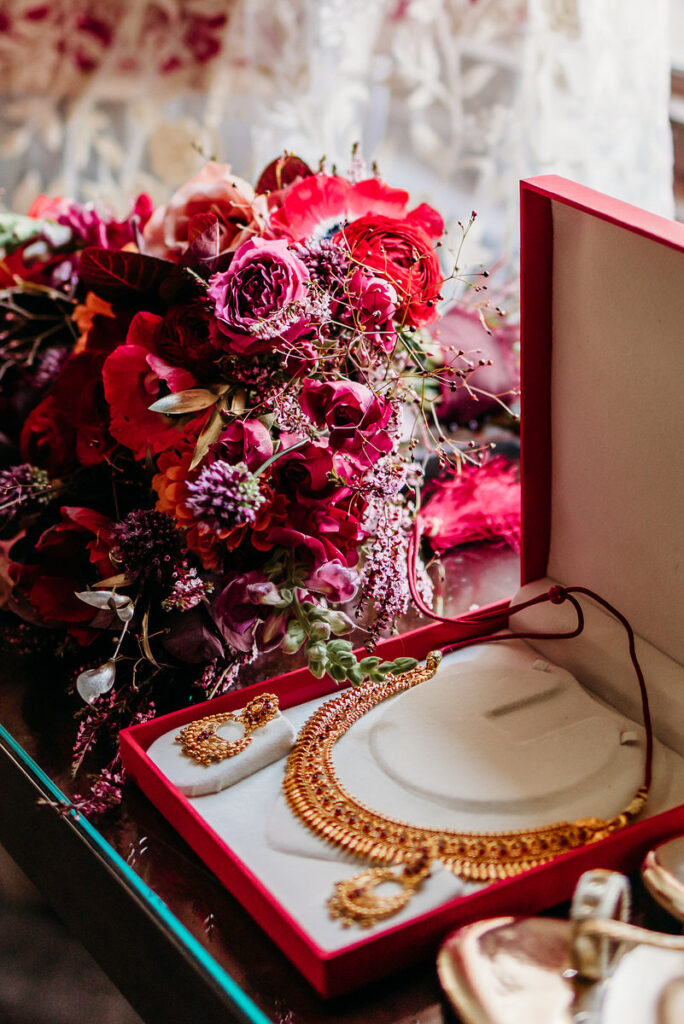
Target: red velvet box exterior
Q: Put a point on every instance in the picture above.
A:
(368, 957)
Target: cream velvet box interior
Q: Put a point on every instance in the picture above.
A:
(525, 734)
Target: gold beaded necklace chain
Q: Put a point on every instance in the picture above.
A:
(320, 801)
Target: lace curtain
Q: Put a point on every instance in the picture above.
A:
(457, 99)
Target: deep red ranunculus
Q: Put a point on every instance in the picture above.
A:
(185, 338)
(356, 418)
(400, 251)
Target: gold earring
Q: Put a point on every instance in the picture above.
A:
(201, 743)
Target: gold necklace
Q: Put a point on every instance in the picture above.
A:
(318, 799)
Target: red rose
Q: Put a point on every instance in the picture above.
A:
(48, 440)
(356, 418)
(401, 252)
(304, 475)
(184, 338)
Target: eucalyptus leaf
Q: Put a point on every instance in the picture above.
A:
(180, 402)
(94, 682)
(109, 599)
(211, 433)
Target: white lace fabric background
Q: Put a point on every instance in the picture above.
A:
(455, 99)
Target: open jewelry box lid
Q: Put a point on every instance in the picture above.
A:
(602, 371)
(603, 483)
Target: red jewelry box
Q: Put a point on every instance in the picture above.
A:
(600, 418)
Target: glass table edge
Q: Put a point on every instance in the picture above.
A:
(155, 905)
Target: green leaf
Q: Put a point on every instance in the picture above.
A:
(211, 433)
(192, 400)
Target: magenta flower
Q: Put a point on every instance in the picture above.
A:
(334, 580)
(262, 298)
(356, 418)
(245, 441)
(371, 305)
(234, 612)
(243, 617)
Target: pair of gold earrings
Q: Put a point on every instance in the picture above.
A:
(201, 742)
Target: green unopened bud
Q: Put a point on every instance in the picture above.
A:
(340, 623)
(294, 638)
(316, 651)
(338, 647)
(317, 669)
(319, 631)
(402, 665)
(337, 673)
(355, 675)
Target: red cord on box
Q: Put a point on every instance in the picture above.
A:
(555, 595)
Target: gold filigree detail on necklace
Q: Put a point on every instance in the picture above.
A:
(201, 742)
(318, 799)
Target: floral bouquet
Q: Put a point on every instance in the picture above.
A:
(208, 416)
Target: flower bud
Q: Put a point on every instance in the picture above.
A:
(319, 631)
(316, 651)
(340, 623)
(294, 638)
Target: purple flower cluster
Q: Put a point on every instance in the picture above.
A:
(147, 545)
(225, 496)
(24, 490)
(328, 264)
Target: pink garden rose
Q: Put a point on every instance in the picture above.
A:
(245, 441)
(261, 298)
(369, 309)
(356, 418)
(215, 191)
